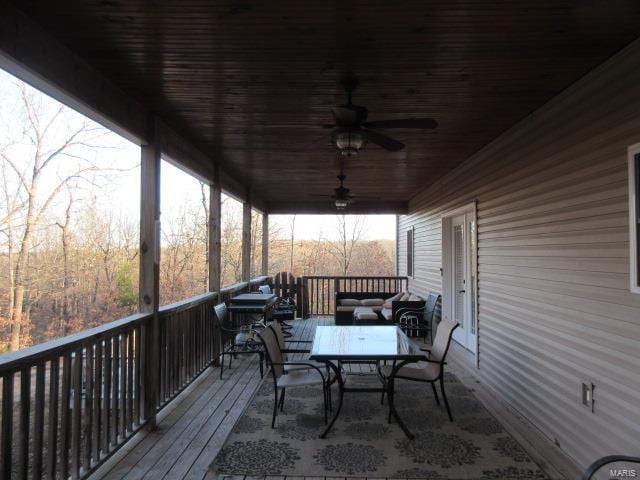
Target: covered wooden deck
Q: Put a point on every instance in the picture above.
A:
(193, 429)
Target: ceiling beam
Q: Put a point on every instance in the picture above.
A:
(327, 207)
(34, 56)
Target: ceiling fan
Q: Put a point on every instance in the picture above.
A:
(342, 196)
(352, 131)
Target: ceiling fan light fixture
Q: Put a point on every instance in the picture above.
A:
(350, 143)
(341, 204)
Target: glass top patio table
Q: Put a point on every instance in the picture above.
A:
(364, 343)
(336, 344)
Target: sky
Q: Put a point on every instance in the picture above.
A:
(121, 192)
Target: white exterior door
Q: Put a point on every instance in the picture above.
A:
(459, 280)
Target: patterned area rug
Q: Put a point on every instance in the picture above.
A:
(363, 444)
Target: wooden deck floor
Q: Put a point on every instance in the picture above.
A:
(194, 427)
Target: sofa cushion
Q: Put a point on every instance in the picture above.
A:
(387, 314)
(372, 302)
(350, 302)
(414, 298)
(364, 313)
(345, 308)
(405, 296)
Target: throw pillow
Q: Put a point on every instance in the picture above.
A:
(372, 302)
(350, 302)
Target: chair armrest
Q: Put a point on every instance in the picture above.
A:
(405, 311)
(302, 364)
(294, 350)
(398, 305)
(428, 350)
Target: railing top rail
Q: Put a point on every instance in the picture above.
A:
(187, 303)
(242, 285)
(354, 277)
(31, 355)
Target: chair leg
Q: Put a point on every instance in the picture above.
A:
(261, 367)
(325, 389)
(275, 410)
(435, 393)
(221, 364)
(444, 396)
(282, 400)
(382, 398)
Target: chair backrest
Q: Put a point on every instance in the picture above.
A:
(430, 306)
(277, 329)
(442, 340)
(271, 347)
(221, 314)
(264, 289)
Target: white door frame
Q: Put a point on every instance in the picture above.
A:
(470, 210)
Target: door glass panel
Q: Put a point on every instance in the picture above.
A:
(458, 275)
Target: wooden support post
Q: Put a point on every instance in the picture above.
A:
(265, 244)
(246, 241)
(149, 291)
(215, 216)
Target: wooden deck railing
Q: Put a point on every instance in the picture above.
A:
(316, 294)
(68, 404)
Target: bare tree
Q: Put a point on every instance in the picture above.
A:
(204, 199)
(349, 234)
(65, 228)
(292, 232)
(41, 146)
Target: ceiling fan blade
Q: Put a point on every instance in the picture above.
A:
(365, 198)
(382, 140)
(403, 123)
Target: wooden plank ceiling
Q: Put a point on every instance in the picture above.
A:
(252, 82)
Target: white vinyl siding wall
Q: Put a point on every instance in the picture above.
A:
(554, 303)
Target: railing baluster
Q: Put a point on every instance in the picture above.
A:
(88, 407)
(115, 390)
(129, 418)
(97, 403)
(64, 416)
(123, 386)
(23, 430)
(106, 395)
(137, 352)
(6, 434)
(76, 414)
(52, 429)
(38, 422)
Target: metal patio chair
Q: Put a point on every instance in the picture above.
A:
(229, 345)
(419, 320)
(283, 375)
(432, 369)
